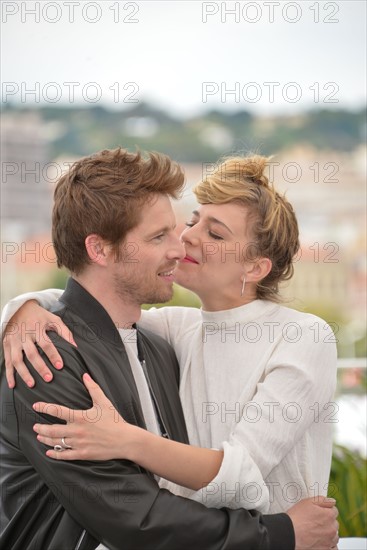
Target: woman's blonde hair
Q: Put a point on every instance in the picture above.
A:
(273, 224)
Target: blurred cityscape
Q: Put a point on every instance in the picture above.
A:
(319, 160)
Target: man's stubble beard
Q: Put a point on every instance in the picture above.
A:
(132, 290)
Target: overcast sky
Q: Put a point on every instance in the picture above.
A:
(174, 48)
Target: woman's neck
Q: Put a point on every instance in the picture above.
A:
(222, 303)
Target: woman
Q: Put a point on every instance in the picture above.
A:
(257, 378)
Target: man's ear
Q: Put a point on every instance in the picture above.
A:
(97, 249)
(259, 270)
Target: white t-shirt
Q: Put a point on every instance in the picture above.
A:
(129, 338)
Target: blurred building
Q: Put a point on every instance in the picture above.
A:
(27, 265)
(327, 190)
(26, 201)
(26, 193)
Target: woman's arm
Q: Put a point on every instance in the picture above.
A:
(186, 465)
(111, 437)
(24, 322)
(45, 298)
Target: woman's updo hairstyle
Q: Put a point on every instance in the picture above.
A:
(272, 221)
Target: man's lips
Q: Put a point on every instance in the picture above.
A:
(168, 272)
(189, 259)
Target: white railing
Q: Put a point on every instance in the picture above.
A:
(352, 363)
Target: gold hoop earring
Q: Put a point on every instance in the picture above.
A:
(243, 287)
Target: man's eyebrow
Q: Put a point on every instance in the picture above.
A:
(213, 220)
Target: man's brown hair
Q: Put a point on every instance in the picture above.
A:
(103, 194)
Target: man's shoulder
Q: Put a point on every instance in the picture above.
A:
(77, 325)
(161, 354)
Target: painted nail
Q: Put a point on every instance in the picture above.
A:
(58, 365)
(47, 377)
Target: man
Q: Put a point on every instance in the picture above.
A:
(114, 229)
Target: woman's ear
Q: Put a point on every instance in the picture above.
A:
(97, 249)
(259, 270)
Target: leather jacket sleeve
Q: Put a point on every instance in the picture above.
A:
(116, 501)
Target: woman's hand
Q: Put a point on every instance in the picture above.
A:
(28, 326)
(99, 433)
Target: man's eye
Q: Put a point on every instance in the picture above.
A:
(160, 236)
(190, 224)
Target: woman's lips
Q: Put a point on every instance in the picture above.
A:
(189, 259)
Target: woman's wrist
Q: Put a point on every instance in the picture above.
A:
(134, 441)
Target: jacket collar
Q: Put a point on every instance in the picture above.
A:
(85, 306)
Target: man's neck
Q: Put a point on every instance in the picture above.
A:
(122, 313)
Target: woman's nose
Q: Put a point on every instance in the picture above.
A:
(177, 250)
(190, 236)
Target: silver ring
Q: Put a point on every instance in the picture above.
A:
(65, 445)
(58, 448)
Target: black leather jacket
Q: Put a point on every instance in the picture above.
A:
(55, 505)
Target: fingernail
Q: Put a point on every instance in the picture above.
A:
(47, 377)
(30, 383)
(87, 377)
(11, 385)
(74, 343)
(58, 365)
(36, 406)
(35, 427)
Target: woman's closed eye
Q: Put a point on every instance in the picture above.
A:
(215, 236)
(211, 234)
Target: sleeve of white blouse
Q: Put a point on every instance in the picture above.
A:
(155, 319)
(300, 378)
(231, 488)
(45, 298)
(169, 322)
